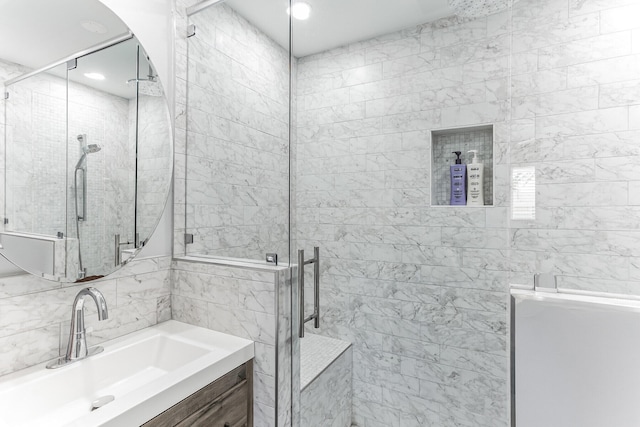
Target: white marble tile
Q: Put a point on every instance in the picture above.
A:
(580, 123)
(585, 50)
(619, 94)
(474, 114)
(485, 49)
(531, 37)
(603, 71)
(393, 49)
(187, 310)
(485, 70)
(326, 401)
(556, 102)
(578, 7)
(28, 348)
(619, 19)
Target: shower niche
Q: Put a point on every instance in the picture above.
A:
(444, 144)
(88, 161)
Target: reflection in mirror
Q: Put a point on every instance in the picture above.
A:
(153, 149)
(88, 162)
(237, 179)
(101, 164)
(36, 166)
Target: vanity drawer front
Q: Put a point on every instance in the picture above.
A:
(226, 400)
(229, 411)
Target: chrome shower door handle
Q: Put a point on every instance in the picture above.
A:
(116, 250)
(316, 290)
(316, 287)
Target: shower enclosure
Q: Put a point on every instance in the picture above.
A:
(292, 140)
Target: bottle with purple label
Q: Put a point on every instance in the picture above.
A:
(458, 181)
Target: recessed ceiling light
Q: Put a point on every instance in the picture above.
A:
(301, 10)
(94, 27)
(94, 76)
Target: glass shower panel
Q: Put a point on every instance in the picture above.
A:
(573, 147)
(237, 153)
(418, 290)
(35, 184)
(573, 156)
(36, 117)
(101, 147)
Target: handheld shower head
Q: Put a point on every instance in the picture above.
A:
(87, 149)
(91, 148)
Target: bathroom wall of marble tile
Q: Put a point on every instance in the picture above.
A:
(35, 313)
(428, 333)
(237, 145)
(244, 301)
(422, 291)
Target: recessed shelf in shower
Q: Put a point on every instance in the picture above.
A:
(446, 141)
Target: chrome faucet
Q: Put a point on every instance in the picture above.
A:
(77, 348)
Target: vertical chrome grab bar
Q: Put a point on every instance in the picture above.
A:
(316, 290)
(316, 287)
(301, 293)
(116, 244)
(77, 195)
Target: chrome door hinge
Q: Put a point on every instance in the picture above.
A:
(6, 95)
(188, 238)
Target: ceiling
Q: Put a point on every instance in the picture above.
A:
(336, 23)
(37, 33)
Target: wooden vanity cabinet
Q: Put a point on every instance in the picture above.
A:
(226, 402)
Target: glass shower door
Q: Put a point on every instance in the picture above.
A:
(35, 184)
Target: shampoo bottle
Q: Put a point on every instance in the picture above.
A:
(458, 175)
(475, 173)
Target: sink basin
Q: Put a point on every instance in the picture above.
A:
(138, 376)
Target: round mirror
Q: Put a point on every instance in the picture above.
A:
(86, 132)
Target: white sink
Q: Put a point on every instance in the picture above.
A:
(146, 372)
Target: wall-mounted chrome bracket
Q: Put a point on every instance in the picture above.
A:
(191, 30)
(188, 238)
(60, 235)
(272, 258)
(72, 64)
(545, 282)
(6, 95)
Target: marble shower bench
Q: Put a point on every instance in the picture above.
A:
(325, 381)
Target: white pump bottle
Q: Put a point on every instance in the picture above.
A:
(475, 176)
